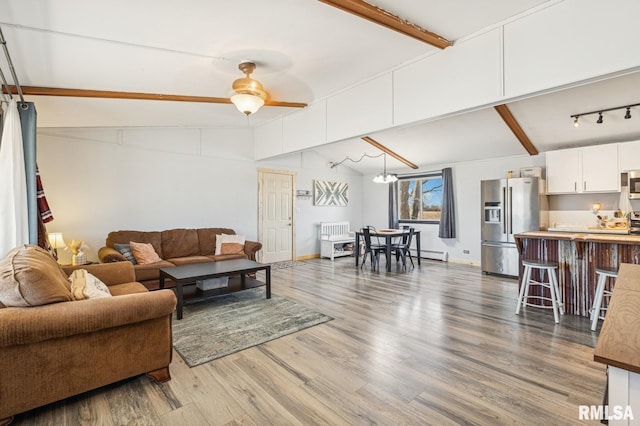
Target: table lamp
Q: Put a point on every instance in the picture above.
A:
(56, 241)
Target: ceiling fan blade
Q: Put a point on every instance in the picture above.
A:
(107, 94)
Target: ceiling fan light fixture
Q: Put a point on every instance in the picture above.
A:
(246, 103)
(249, 94)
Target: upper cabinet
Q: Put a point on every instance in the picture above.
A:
(629, 154)
(581, 170)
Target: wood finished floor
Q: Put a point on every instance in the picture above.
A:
(439, 344)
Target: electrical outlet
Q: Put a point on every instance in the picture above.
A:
(465, 251)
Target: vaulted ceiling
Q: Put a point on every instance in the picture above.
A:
(305, 51)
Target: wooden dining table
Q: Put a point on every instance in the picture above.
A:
(388, 235)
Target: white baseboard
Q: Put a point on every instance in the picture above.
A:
(435, 255)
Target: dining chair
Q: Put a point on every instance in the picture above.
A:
(401, 250)
(372, 249)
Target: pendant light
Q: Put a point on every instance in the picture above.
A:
(385, 177)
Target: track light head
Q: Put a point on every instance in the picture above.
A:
(601, 111)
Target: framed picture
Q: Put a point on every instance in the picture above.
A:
(327, 193)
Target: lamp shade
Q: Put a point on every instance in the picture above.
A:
(56, 240)
(246, 103)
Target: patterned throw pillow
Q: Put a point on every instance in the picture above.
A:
(144, 253)
(125, 250)
(233, 244)
(85, 285)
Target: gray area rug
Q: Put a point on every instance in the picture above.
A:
(220, 326)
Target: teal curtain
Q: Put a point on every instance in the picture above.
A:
(448, 218)
(393, 206)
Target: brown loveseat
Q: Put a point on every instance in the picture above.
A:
(63, 348)
(175, 247)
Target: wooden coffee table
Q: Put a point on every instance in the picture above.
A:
(188, 274)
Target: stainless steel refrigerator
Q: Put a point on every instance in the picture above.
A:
(509, 206)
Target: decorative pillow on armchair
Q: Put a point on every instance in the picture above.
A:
(125, 250)
(144, 253)
(30, 276)
(85, 285)
(229, 244)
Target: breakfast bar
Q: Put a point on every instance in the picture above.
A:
(578, 255)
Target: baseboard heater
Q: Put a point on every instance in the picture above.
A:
(434, 254)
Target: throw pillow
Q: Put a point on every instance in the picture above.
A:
(224, 239)
(30, 276)
(125, 250)
(144, 253)
(85, 285)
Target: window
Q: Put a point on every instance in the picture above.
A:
(420, 198)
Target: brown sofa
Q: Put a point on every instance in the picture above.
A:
(57, 350)
(176, 247)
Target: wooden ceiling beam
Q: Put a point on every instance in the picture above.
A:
(514, 126)
(386, 19)
(388, 151)
(107, 94)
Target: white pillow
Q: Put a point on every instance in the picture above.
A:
(87, 286)
(227, 238)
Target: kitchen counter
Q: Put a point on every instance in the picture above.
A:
(578, 255)
(619, 340)
(591, 230)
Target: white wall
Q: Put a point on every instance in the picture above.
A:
(102, 180)
(466, 177)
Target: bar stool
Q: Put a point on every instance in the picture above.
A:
(603, 274)
(555, 299)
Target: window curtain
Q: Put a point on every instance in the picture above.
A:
(28, 118)
(14, 227)
(448, 218)
(394, 223)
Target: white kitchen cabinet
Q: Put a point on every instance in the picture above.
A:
(629, 156)
(583, 170)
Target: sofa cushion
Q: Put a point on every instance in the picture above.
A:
(127, 288)
(150, 271)
(207, 239)
(218, 258)
(144, 253)
(87, 286)
(125, 250)
(189, 260)
(180, 243)
(234, 243)
(30, 276)
(124, 237)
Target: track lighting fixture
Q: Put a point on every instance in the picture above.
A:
(600, 119)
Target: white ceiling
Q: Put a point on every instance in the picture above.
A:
(304, 50)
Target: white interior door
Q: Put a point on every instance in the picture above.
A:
(276, 193)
